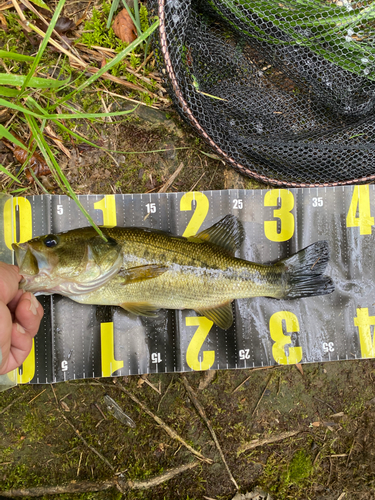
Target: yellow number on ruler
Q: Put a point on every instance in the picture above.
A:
(25, 221)
(200, 212)
(363, 321)
(108, 206)
(276, 331)
(28, 368)
(192, 354)
(109, 363)
(361, 203)
(283, 213)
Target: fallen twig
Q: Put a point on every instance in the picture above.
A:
(173, 434)
(209, 375)
(155, 481)
(261, 396)
(247, 378)
(261, 442)
(201, 412)
(91, 486)
(79, 434)
(171, 179)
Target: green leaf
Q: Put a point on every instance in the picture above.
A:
(34, 82)
(41, 4)
(73, 116)
(6, 92)
(16, 57)
(6, 172)
(5, 133)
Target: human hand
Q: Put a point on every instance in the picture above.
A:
(20, 316)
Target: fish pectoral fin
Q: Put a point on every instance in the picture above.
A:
(140, 308)
(222, 315)
(140, 273)
(228, 233)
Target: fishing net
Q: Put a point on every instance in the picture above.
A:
(283, 91)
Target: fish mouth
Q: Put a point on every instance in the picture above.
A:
(26, 260)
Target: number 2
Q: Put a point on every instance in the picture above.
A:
(200, 212)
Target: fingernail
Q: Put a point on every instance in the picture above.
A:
(32, 308)
(20, 328)
(34, 304)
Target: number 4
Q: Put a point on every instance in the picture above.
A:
(360, 203)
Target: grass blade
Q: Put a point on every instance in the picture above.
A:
(34, 82)
(5, 133)
(114, 61)
(16, 57)
(114, 6)
(6, 172)
(54, 167)
(44, 43)
(6, 92)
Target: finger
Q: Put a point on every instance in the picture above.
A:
(9, 279)
(29, 313)
(13, 303)
(21, 343)
(5, 332)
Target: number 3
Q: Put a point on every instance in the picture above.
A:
(283, 213)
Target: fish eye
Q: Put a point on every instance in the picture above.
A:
(51, 241)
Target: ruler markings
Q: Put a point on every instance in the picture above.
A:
(247, 335)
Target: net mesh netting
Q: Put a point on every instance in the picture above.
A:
(283, 91)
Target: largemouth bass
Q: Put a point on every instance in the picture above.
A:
(143, 270)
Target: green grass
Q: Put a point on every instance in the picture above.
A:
(41, 101)
(342, 36)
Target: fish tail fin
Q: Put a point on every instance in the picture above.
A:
(304, 272)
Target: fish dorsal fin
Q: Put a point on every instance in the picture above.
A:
(141, 273)
(222, 316)
(140, 308)
(228, 233)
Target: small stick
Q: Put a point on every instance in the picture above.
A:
(79, 435)
(261, 397)
(145, 379)
(171, 179)
(31, 400)
(91, 486)
(10, 404)
(208, 378)
(165, 393)
(247, 378)
(173, 434)
(145, 61)
(261, 442)
(79, 464)
(166, 476)
(201, 412)
(19, 11)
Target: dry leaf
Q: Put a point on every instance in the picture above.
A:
(124, 27)
(36, 162)
(64, 24)
(315, 424)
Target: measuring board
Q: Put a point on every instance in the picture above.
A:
(79, 341)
